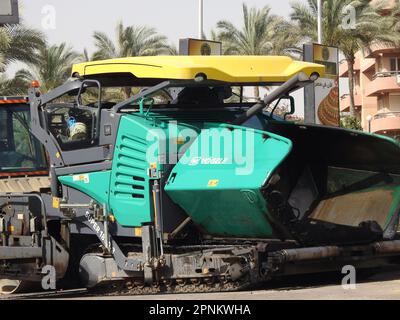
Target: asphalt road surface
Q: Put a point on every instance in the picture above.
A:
(382, 286)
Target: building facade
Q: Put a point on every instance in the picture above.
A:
(377, 89)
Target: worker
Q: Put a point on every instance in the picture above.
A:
(77, 130)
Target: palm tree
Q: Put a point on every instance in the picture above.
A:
(306, 17)
(172, 50)
(4, 40)
(12, 87)
(262, 33)
(85, 56)
(288, 39)
(53, 67)
(369, 27)
(19, 43)
(132, 41)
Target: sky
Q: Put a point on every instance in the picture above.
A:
(75, 20)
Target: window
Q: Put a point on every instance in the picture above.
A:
(73, 128)
(394, 64)
(19, 150)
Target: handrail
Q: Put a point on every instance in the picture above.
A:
(300, 80)
(96, 120)
(384, 115)
(385, 74)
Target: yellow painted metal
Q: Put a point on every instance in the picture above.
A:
(56, 203)
(138, 232)
(234, 69)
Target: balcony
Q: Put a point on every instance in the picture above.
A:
(345, 102)
(385, 122)
(383, 82)
(378, 49)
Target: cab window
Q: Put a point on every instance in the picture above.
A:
(19, 150)
(72, 127)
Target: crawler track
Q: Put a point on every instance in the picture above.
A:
(175, 287)
(132, 288)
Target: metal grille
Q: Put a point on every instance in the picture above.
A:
(131, 169)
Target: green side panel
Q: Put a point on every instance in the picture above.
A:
(130, 188)
(222, 194)
(141, 143)
(95, 184)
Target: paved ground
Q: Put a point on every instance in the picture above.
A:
(384, 286)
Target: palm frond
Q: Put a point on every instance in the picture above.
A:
(12, 87)
(104, 45)
(131, 41)
(19, 43)
(53, 68)
(260, 34)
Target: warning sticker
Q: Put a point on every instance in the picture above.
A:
(82, 177)
(213, 183)
(153, 165)
(180, 141)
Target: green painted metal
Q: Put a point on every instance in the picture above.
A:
(95, 184)
(221, 193)
(142, 104)
(221, 197)
(141, 143)
(130, 183)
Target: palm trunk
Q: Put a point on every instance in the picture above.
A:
(257, 93)
(126, 91)
(350, 63)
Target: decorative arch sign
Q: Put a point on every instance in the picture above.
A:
(322, 98)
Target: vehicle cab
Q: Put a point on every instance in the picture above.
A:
(21, 154)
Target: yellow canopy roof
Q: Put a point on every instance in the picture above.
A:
(232, 69)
